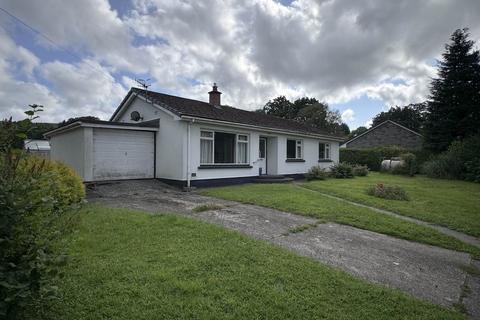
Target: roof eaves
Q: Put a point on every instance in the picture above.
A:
(280, 130)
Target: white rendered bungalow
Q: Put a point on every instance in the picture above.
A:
(190, 143)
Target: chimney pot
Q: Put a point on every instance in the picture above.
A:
(214, 96)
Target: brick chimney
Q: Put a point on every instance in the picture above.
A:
(214, 96)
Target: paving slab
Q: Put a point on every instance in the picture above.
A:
(430, 273)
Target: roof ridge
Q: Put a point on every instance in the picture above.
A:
(169, 95)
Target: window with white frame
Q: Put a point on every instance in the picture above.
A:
(294, 149)
(206, 147)
(223, 148)
(242, 148)
(324, 151)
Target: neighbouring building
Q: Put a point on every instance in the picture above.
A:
(387, 133)
(37, 147)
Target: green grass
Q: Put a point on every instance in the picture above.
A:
(130, 265)
(454, 204)
(291, 198)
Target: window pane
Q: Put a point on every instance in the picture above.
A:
(299, 152)
(242, 152)
(321, 151)
(242, 137)
(262, 149)
(291, 145)
(327, 151)
(224, 147)
(206, 134)
(206, 151)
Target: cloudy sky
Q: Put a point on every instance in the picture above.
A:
(359, 56)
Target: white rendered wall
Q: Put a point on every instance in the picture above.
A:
(171, 139)
(276, 154)
(69, 148)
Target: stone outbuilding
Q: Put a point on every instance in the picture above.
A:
(388, 133)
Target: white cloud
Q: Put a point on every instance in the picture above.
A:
(348, 115)
(369, 123)
(255, 50)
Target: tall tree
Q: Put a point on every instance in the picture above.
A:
(453, 111)
(411, 116)
(307, 110)
(280, 107)
(357, 132)
(319, 115)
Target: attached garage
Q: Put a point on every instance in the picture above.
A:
(100, 150)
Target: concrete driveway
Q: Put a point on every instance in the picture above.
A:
(426, 272)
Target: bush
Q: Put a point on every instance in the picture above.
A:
(316, 173)
(342, 170)
(408, 166)
(388, 192)
(36, 197)
(460, 161)
(373, 157)
(360, 171)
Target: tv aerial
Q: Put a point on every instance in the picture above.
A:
(144, 83)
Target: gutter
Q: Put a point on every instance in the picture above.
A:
(79, 124)
(267, 129)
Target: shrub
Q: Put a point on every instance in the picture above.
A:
(373, 157)
(342, 170)
(36, 196)
(392, 192)
(360, 171)
(316, 173)
(460, 161)
(472, 172)
(408, 166)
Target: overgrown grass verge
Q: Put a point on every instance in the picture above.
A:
(298, 200)
(450, 203)
(130, 265)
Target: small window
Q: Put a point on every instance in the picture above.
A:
(324, 151)
(206, 134)
(294, 149)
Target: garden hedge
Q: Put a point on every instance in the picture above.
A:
(373, 157)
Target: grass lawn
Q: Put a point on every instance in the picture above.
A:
(291, 198)
(454, 204)
(130, 265)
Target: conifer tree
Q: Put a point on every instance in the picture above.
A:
(453, 111)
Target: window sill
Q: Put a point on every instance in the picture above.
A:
(295, 160)
(325, 160)
(225, 166)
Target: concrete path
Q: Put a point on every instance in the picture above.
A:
(426, 272)
(449, 232)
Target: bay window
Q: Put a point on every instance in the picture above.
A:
(223, 148)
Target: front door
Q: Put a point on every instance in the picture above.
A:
(262, 156)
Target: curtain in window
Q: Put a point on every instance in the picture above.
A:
(206, 151)
(242, 152)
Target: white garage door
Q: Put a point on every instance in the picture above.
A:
(123, 154)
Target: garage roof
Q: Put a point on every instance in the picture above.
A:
(151, 125)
